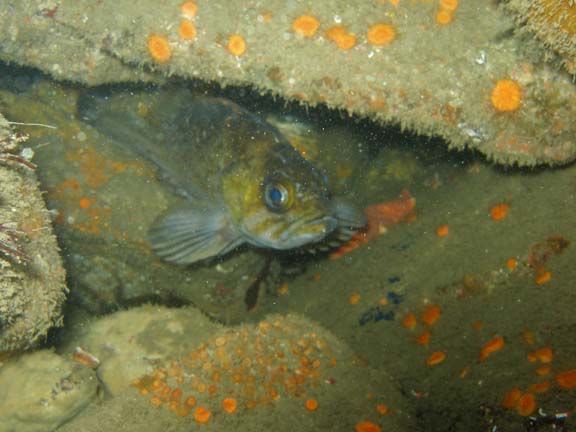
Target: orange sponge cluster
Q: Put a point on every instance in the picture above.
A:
(159, 47)
(241, 369)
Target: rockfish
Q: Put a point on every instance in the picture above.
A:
(240, 179)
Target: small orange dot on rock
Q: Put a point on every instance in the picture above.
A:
(354, 299)
(229, 405)
(511, 263)
(435, 358)
(202, 415)
(526, 404)
(543, 276)
(311, 404)
(305, 25)
(159, 48)
(382, 409)
(341, 37)
(511, 398)
(187, 30)
(442, 230)
(431, 314)
(506, 95)
(424, 338)
(409, 320)
(444, 17)
(381, 34)
(567, 379)
(85, 203)
(544, 355)
(367, 426)
(492, 346)
(499, 211)
(236, 45)
(188, 9)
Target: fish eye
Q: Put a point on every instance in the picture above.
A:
(277, 196)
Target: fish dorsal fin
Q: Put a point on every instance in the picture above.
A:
(192, 232)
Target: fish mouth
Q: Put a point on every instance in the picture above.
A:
(344, 219)
(298, 234)
(340, 221)
(309, 231)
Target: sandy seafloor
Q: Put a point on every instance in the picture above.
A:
(363, 298)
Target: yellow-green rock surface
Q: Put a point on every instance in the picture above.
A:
(435, 77)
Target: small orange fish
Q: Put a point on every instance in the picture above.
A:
(379, 217)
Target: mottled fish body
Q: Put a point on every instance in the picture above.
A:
(242, 182)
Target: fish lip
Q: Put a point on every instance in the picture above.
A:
(328, 224)
(289, 240)
(339, 216)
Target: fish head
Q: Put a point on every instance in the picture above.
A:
(288, 204)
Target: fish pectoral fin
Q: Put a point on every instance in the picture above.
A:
(193, 232)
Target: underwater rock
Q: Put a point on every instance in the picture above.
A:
(129, 343)
(42, 390)
(552, 21)
(32, 279)
(174, 368)
(458, 71)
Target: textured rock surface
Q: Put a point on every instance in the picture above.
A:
(270, 368)
(435, 77)
(42, 390)
(32, 280)
(553, 22)
(128, 344)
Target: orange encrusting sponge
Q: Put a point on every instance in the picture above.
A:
(341, 37)
(305, 25)
(159, 48)
(506, 95)
(492, 346)
(236, 45)
(381, 34)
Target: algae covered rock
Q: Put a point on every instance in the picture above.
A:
(173, 368)
(32, 279)
(127, 344)
(41, 391)
(431, 67)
